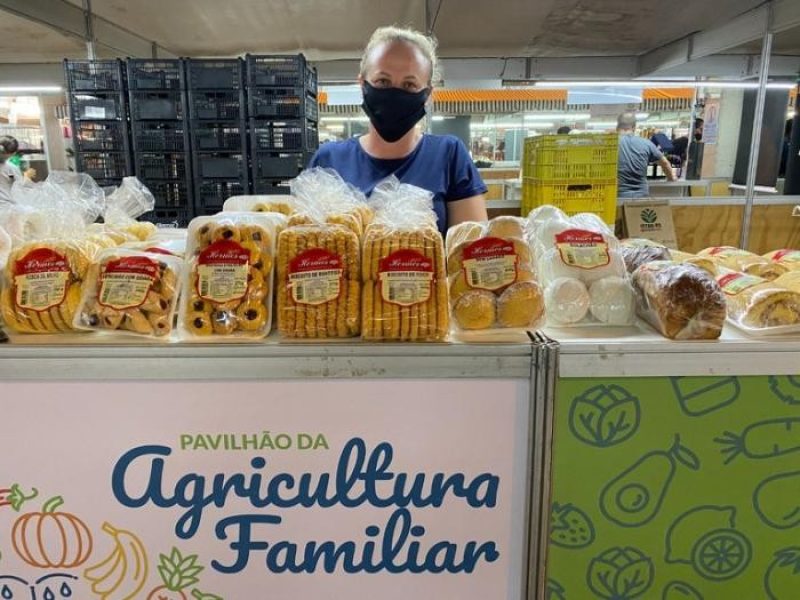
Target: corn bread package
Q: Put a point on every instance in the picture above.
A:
(405, 296)
(734, 259)
(131, 292)
(637, 252)
(682, 302)
(43, 283)
(758, 306)
(281, 204)
(322, 196)
(580, 263)
(229, 275)
(703, 262)
(787, 257)
(491, 276)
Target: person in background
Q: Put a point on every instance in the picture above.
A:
(398, 71)
(635, 154)
(9, 172)
(563, 130)
(662, 142)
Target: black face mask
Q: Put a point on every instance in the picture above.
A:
(392, 111)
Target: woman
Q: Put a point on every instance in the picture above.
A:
(9, 172)
(398, 69)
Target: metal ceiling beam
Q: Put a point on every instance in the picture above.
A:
(746, 28)
(70, 20)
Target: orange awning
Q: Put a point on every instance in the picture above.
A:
(668, 93)
(498, 95)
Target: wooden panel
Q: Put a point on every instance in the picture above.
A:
(773, 228)
(495, 191)
(492, 174)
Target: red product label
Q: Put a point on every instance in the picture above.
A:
(41, 279)
(316, 259)
(726, 279)
(406, 278)
(726, 251)
(489, 247)
(788, 254)
(156, 250)
(490, 263)
(224, 252)
(125, 282)
(222, 272)
(735, 283)
(406, 260)
(41, 260)
(315, 276)
(583, 249)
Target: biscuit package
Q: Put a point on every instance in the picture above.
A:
(637, 252)
(581, 266)
(132, 292)
(703, 262)
(734, 259)
(491, 276)
(281, 204)
(323, 197)
(229, 274)
(787, 257)
(43, 283)
(759, 306)
(405, 296)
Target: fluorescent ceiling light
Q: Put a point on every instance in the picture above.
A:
(642, 116)
(559, 116)
(30, 89)
(663, 84)
(343, 119)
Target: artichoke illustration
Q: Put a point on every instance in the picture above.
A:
(604, 416)
(620, 574)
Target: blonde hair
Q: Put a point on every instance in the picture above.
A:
(389, 35)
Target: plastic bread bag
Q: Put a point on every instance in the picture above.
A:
(24, 223)
(637, 252)
(703, 262)
(581, 266)
(229, 276)
(42, 285)
(682, 302)
(790, 280)
(404, 276)
(743, 261)
(758, 306)
(786, 257)
(128, 202)
(281, 204)
(131, 292)
(5, 247)
(319, 282)
(322, 196)
(491, 276)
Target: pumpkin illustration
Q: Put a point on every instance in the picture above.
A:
(50, 539)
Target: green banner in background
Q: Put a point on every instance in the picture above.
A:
(676, 488)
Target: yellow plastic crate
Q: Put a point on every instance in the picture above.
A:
(572, 196)
(579, 156)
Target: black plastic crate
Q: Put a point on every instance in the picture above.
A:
(281, 104)
(156, 74)
(94, 75)
(97, 106)
(272, 187)
(214, 74)
(217, 105)
(161, 166)
(102, 136)
(311, 81)
(168, 218)
(220, 165)
(278, 165)
(103, 165)
(276, 70)
(170, 194)
(287, 136)
(218, 137)
(159, 137)
(212, 194)
(157, 106)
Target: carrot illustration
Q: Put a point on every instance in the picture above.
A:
(15, 497)
(765, 439)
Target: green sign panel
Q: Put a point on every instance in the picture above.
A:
(676, 488)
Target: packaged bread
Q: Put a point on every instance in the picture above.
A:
(132, 292)
(319, 282)
(580, 263)
(702, 262)
(787, 257)
(491, 276)
(681, 301)
(758, 305)
(229, 275)
(790, 280)
(405, 295)
(322, 196)
(637, 252)
(743, 261)
(281, 204)
(43, 283)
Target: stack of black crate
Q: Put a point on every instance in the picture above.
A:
(161, 146)
(217, 109)
(283, 119)
(99, 118)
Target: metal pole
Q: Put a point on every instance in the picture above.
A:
(755, 142)
(90, 41)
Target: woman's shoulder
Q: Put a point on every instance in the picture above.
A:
(331, 153)
(447, 141)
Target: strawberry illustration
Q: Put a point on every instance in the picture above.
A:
(570, 527)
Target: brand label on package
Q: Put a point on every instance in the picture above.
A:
(125, 282)
(315, 276)
(583, 249)
(490, 264)
(222, 272)
(787, 256)
(735, 283)
(406, 278)
(726, 251)
(41, 278)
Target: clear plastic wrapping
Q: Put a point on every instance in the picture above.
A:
(702, 262)
(760, 306)
(581, 266)
(322, 196)
(743, 261)
(229, 276)
(491, 276)
(638, 252)
(43, 283)
(681, 301)
(786, 257)
(281, 204)
(319, 282)
(790, 280)
(132, 292)
(405, 296)
(128, 202)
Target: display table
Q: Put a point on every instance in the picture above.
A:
(675, 468)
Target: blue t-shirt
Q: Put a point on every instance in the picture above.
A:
(635, 153)
(439, 164)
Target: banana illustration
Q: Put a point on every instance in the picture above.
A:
(122, 575)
